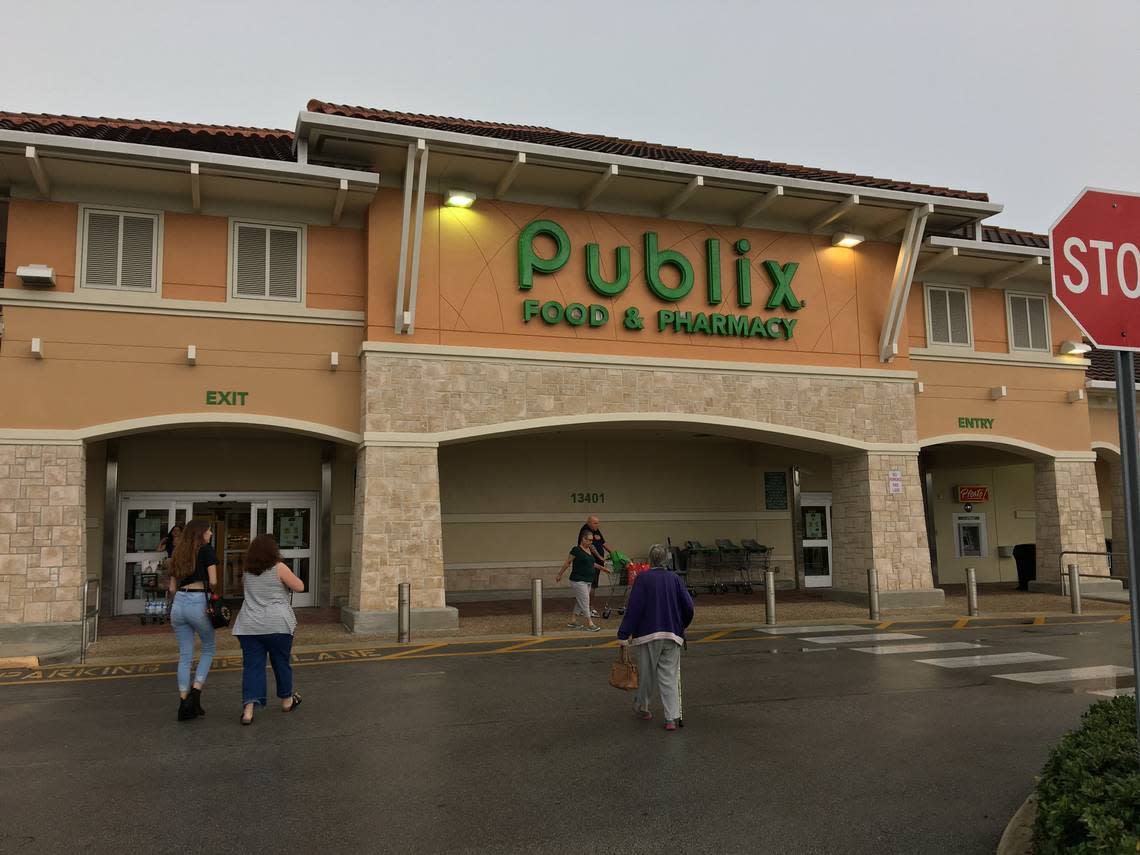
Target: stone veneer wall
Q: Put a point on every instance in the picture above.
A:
(872, 527)
(42, 533)
(1068, 517)
(1119, 534)
(428, 394)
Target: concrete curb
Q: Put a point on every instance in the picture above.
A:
(1018, 836)
(19, 662)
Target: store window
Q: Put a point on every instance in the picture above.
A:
(120, 249)
(970, 536)
(1028, 321)
(948, 316)
(266, 261)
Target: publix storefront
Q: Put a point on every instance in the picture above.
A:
(493, 331)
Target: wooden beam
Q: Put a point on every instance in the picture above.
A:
(898, 224)
(509, 176)
(756, 208)
(936, 261)
(833, 213)
(338, 205)
(38, 173)
(682, 195)
(195, 188)
(1013, 270)
(598, 186)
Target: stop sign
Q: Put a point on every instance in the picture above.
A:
(1094, 250)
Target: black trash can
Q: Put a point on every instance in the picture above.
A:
(1025, 554)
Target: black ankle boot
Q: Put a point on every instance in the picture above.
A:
(186, 710)
(196, 698)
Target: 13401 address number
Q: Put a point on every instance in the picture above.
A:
(588, 498)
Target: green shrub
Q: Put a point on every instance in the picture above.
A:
(1088, 795)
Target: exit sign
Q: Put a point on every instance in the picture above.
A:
(218, 398)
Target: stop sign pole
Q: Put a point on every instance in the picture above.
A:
(1094, 251)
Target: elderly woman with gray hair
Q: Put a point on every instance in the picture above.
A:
(658, 612)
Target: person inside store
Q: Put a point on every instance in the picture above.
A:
(585, 570)
(168, 542)
(193, 573)
(598, 548)
(265, 626)
(659, 611)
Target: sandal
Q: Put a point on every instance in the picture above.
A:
(246, 721)
(296, 703)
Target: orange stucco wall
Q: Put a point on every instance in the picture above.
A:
(336, 268)
(195, 257)
(41, 233)
(469, 286)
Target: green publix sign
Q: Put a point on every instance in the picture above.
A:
(552, 312)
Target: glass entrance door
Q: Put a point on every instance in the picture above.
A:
(291, 522)
(815, 517)
(143, 524)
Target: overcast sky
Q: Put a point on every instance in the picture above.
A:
(1028, 100)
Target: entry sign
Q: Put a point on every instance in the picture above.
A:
(1095, 252)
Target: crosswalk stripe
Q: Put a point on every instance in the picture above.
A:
(1067, 675)
(852, 639)
(1114, 693)
(799, 630)
(932, 647)
(988, 659)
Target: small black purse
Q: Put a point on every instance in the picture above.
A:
(216, 610)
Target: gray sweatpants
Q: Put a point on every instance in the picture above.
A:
(659, 670)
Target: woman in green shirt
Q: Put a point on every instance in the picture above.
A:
(581, 577)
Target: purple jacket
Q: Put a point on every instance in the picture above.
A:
(659, 608)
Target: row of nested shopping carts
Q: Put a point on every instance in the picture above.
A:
(723, 567)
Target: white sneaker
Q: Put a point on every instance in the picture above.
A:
(593, 612)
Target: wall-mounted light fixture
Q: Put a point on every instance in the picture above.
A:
(999, 392)
(1075, 348)
(37, 348)
(1074, 396)
(191, 354)
(36, 275)
(459, 199)
(334, 360)
(846, 239)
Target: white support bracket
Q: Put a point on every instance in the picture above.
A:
(999, 392)
(414, 150)
(597, 187)
(1075, 396)
(833, 213)
(196, 188)
(338, 205)
(935, 261)
(755, 209)
(38, 172)
(417, 240)
(509, 176)
(191, 354)
(683, 195)
(898, 224)
(1013, 270)
(900, 285)
(38, 348)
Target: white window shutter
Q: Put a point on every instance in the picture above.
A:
(1019, 322)
(249, 261)
(959, 317)
(101, 253)
(1038, 323)
(137, 270)
(939, 317)
(284, 275)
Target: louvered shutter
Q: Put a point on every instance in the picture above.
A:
(959, 317)
(249, 261)
(267, 262)
(1019, 322)
(101, 253)
(939, 317)
(1038, 310)
(137, 258)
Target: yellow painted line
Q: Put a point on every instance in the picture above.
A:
(415, 650)
(1124, 619)
(519, 646)
(884, 624)
(961, 623)
(713, 637)
(1040, 620)
(19, 662)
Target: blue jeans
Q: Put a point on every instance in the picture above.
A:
(188, 617)
(254, 648)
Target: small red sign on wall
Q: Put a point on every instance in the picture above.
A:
(973, 493)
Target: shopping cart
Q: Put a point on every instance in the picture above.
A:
(758, 559)
(731, 567)
(702, 563)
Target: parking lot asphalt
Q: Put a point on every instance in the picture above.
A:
(806, 739)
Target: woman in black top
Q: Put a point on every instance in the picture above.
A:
(171, 540)
(194, 571)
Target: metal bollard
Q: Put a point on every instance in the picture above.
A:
(972, 591)
(536, 607)
(405, 613)
(770, 597)
(1075, 588)
(873, 593)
